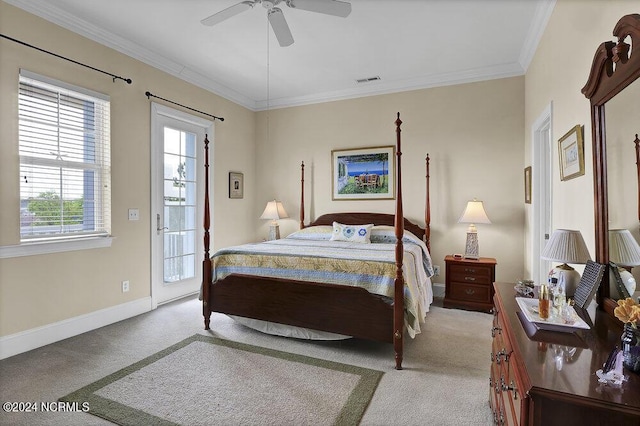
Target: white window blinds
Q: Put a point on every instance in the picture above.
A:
(65, 171)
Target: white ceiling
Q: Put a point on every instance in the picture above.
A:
(409, 44)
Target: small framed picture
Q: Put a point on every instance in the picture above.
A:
(527, 185)
(236, 185)
(571, 151)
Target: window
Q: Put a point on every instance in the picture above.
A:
(65, 171)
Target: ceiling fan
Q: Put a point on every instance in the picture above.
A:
(276, 17)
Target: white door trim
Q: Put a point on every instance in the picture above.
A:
(158, 111)
(541, 193)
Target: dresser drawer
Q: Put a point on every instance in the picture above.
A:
(470, 292)
(471, 274)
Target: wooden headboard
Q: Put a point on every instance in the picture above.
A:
(365, 218)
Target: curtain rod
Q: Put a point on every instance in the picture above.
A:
(128, 80)
(149, 94)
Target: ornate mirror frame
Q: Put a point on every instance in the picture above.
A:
(613, 69)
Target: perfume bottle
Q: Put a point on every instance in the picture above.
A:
(544, 302)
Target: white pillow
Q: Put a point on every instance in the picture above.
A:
(353, 233)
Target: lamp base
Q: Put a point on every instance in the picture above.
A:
(471, 248)
(628, 281)
(570, 276)
(274, 232)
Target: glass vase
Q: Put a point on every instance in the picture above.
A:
(631, 348)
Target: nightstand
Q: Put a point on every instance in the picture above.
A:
(469, 283)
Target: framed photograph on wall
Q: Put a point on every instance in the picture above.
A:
(527, 185)
(571, 150)
(363, 173)
(236, 185)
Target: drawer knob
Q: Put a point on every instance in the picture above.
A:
(502, 354)
(470, 291)
(510, 387)
(470, 270)
(493, 331)
(469, 278)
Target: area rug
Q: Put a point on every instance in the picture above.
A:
(205, 380)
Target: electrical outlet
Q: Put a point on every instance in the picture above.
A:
(436, 270)
(125, 286)
(134, 214)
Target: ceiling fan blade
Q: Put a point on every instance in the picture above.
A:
(227, 13)
(280, 27)
(328, 7)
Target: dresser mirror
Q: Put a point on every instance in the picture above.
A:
(614, 113)
(623, 124)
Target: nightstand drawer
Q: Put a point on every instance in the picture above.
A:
(471, 274)
(470, 292)
(469, 283)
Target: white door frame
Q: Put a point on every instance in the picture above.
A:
(159, 111)
(542, 191)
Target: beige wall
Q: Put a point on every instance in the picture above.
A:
(478, 136)
(557, 74)
(473, 133)
(39, 290)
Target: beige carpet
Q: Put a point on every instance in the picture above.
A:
(204, 380)
(445, 380)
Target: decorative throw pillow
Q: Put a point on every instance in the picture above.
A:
(353, 233)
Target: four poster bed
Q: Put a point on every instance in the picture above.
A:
(373, 291)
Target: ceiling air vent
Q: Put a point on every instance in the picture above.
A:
(367, 80)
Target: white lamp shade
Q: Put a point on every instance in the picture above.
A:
(274, 211)
(566, 246)
(474, 213)
(623, 248)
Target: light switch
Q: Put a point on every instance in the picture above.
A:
(134, 214)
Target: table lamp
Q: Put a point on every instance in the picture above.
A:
(274, 211)
(624, 251)
(566, 246)
(473, 213)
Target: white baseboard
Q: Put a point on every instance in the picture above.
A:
(24, 341)
(438, 290)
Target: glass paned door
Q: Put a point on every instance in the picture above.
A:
(177, 188)
(179, 205)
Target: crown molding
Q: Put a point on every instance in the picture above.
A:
(383, 88)
(47, 11)
(538, 24)
(53, 14)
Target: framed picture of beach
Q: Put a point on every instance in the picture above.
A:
(363, 173)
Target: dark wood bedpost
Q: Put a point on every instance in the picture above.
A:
(206, 262)
(302, 195)
(427, 210)
(637, 142)
(398, 299)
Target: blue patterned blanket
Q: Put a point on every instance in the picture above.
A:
(311, 255)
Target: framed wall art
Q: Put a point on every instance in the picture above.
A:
(527, 185)
(363, 173)
(236, 185)
(571, 151)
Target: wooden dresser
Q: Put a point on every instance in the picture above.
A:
(548, 378)
(469, 283)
